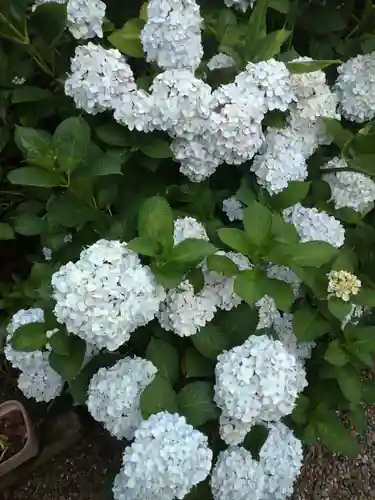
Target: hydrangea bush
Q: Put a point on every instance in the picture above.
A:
(192, 182)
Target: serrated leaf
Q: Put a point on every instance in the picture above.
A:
(29, 337)
(165, 357)
(210, 341)
(192, 250)
(235, 239)
(158, 396)
(196, 403)
(71, 141)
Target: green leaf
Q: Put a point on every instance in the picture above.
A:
(239, 323)
(282, 6)
(72, 141)
(335, 355)
(30, 337)
(358, 418)
(165, 357)
(68, 366)
(338, 308)
(211, 341)
(143, 13)
(196, 277)
(108, 164)
(235, 239)
(194, 365)
(69, 211)
(115, 135)
(350, 383)
(158, 396)
(155, 221)
(255, 439)
(34, 176)
(313, 253)
(368, 391)
(35, 145)
(339, 134)
(6, 231)
(281, 292)
(127, 39)
(363, 163)
(221, 264)
(365, 297)
(196, 402)
(156, 148)
(249, 285)
(256, 27)
(294, 193)
(336, 436)
(257, 223)
(144, 246)
(309, 66)
(60, 343)
(270, 45)
(192, 250)
(363, 338)
(29, 224)
(26, 93)
(308, 325)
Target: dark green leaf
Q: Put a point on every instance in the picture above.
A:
(156, 148)
(309, 66)
(270, 45)
(196, 403)
(308, 324)
(249, 285)
(27, 93)
(338, 308)
(239, 323)
(363, 163)
(336, 436)
(35, 145)
(30, 337)
(255, 439)
(114, 135)
(368, 391)
(350, 383)
(365, 297)
(158, 396)
(29, 224)
(34, 176)
(144, 246)
(127, 39)
(194, 365)
(281, 292)
(294, 193)
(68, 366)
(339, 134)
(235, 239)
(313, 253)
(257, 223)
(192, 250)
(108, 164)
(165, 357)
(72, 141)
(358, 418)
(60, 343)
(282, 6)
(211, 341)
(155, 221)
(221, 264)
(69, 211)
(6, 231)
(335, 355)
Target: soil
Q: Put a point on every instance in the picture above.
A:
(12, 434)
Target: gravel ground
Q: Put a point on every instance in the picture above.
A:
(86, 472)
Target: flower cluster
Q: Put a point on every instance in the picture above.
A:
(106, 294)
(99, 78)
(172, 34)
(259, 380)
(37, 379)
(284, 330)
(240, 4)
(343, 285)
(313, 225)
(113, 395)
(285, 274)
(167, 458)
(355, 87)
(349, 189)
(188, 227)
(233, 209)
(220, 61)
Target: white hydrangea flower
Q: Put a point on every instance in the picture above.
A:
(280, 161)
(114, 394)
(240, 4)
(353, 316)
(233, 209)
(283, 273)
(273, 78)
(237, 476)
(106, 294)
(267, 311)
(281, 459)
(313, 95)
(47, 253)
(167, 458)
(37, 379)
(184, 312)
(68, 238)
(19, 80)
(99, 78)
(343, 285)
(172, 34)
(221, 287)
(188, 227)
(310, 134)
(85, 18)
(284, 329)
(182, 103)
(259, 380)
(233, 431)
(355, 87)
(313, 225)
(196, 161)
(349, 189)
(220, 61)
(135, 110)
